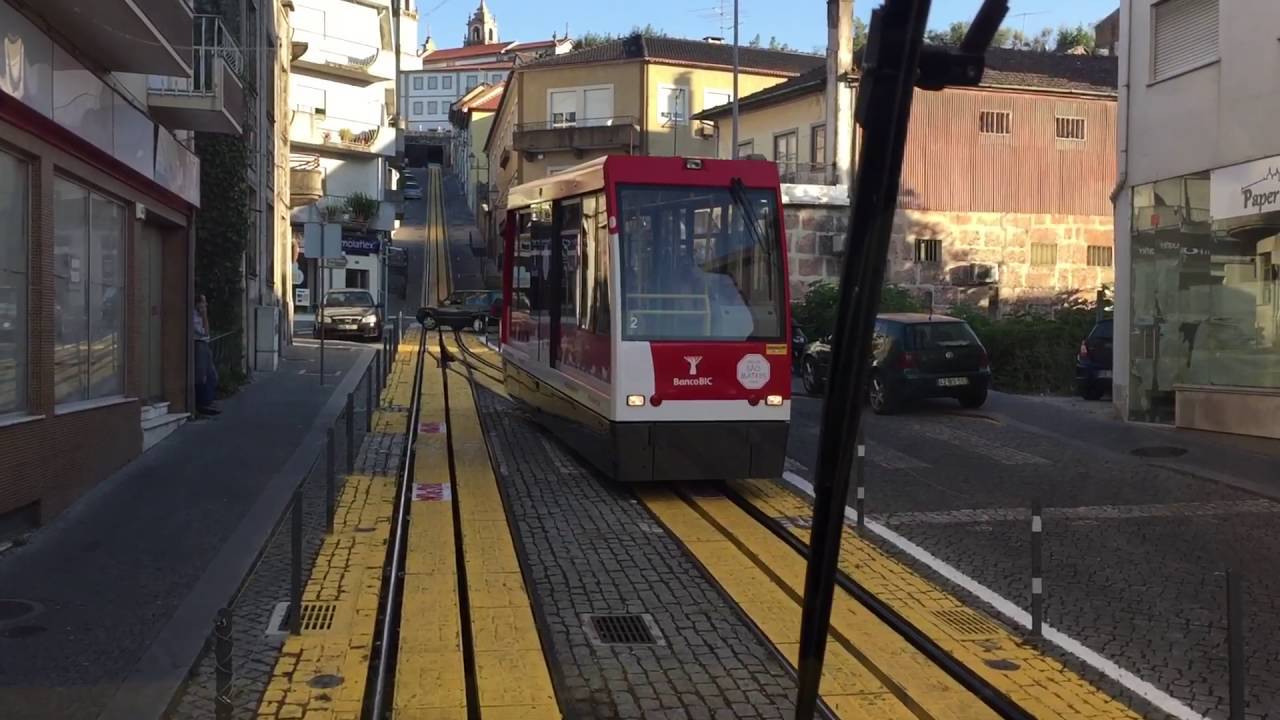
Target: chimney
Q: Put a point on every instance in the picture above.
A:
(839, 96)
(713, 39)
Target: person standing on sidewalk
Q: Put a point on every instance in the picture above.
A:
(206, 380)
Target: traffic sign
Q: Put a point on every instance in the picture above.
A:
(333, 263)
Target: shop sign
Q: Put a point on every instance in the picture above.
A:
(360, 245)
(1246, 189)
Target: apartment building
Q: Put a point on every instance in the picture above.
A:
(345, 132)
(1197, 216)
(98, 198)
(471, 116)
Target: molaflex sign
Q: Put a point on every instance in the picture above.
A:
(1246, 189)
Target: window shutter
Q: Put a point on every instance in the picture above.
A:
(1185, 36)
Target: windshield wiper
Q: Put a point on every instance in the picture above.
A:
(738, 191)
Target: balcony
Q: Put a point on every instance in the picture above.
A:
(356, 212)
(212, 98)
(798, 173)
(306, 180)
(340, 136)
(344, 58)
(135, 36)
(578, 135)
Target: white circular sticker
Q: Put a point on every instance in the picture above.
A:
(753, 371)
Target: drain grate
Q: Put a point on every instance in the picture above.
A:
(1159, 451)
(623, 630)
(318, 616)
(965, 624)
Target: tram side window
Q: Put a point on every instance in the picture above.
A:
(570, 233)
(593, 266)
(523, 269)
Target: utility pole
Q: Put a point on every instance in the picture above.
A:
(734, 154)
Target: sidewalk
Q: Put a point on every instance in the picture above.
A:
(128, 580)
(1246, 463)
(467, 267)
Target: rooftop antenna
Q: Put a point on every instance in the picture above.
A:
(1024, 16)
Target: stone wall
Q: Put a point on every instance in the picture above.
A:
(817, 232)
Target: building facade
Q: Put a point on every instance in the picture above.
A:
(1004, 194)
(1197, 214)
(98, 196)
(344, 129)
(471, 117)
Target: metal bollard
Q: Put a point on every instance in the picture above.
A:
(368, 398)
(295, 566)
(1235, 645)
(1037, 572)
(351, 432)
(330, 482)
(222, 671)
(860, 485)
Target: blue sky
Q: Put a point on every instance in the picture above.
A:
(801, 24)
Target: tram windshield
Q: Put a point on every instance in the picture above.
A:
(700, 263)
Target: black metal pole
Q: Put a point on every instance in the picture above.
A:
(1235, 645)
(330, 481)
(860, 483)
(892, 55)
(222, 670)
(295, 566)
(368, 397)
(1037, 570)
(320, 319)
(351, 432)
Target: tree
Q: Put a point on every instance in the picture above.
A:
(859, 34)
(755, 41)
(951, 36)
(591, 39)
(1071, 38)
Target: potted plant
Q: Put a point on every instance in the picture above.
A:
(363, 207)
(345, 135)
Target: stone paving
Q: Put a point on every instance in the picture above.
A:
(591, 547)
(256, 645)
(1134, 553)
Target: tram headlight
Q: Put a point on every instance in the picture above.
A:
(774, 400)
(635, 401)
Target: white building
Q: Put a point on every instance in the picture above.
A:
(1197, 324)
(345, 124)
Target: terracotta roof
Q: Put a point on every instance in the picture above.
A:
(489, 100)
(468, 51)
(680, 50)
(1051, 71)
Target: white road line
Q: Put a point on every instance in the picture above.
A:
(1006, 607)
(1000, 453)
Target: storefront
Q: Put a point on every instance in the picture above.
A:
(1204, 342)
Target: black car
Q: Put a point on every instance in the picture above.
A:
(1093, 362)
(466, 308)
(350, 313)
(914, 356)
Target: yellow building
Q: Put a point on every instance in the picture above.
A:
(635, 95)
(471, 116)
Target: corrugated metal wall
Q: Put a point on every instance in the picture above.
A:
(950, 166)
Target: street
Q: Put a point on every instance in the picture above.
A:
(1134, 552)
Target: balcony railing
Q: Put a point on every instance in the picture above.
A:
(577, 134)
(211, 44)
(798, 173)
(345, 57)
(212, 99)
(306, 180)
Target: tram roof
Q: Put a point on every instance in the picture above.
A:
(666, 170)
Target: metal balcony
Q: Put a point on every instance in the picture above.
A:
(344, 58)
(136, 36)
(799, 173)
(314, 129)
(578, 135)
(212, 98)
(306, 180)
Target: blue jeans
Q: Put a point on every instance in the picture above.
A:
(206, 380)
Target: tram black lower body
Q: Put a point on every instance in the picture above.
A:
(655, 451)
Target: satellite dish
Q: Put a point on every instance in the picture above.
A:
(298, 276)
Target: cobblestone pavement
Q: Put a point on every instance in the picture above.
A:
(1134, 554)
(256, 644)
(591, 547)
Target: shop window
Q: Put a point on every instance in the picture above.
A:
(89, 272)
(1184, 36)
(1044, 254)
(995, 122)
(1069, 128)
(14, 184)
(928, 251)
(1098, 256)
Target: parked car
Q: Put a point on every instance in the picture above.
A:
(914, 356)
(350, 313)
(1093, 362)
(466, 308)
(410, 188)
(798, 344)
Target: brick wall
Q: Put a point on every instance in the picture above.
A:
(816, 236)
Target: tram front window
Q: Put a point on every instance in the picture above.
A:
(700, 263)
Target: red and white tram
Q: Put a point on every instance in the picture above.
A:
(646, 315)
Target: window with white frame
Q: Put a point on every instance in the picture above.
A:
(1184, 36)
(446, 82)
(417, 108)
(433, 82)
(15, 182)
(432, 107)
(673, 105)
(89, 273)
(417, 82)
(580, 106)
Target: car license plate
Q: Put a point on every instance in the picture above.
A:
(952, 382)
(1104, 374)
(346, 327)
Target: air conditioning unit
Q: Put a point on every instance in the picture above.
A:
(704, 129)
(971, 274)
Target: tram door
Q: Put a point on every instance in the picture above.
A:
(563, 295)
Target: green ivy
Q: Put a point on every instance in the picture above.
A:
(222, 230)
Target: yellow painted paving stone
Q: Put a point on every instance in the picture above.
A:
(513, 677)
(522, 712)
(495, 590)
(506, 628)
(880, 706)
(431, 714)
(429, 680)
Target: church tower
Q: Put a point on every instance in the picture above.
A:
(482, 28)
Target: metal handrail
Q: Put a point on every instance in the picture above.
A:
(805, 173)
(617, 120)
(304, 162)
(210, 42)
